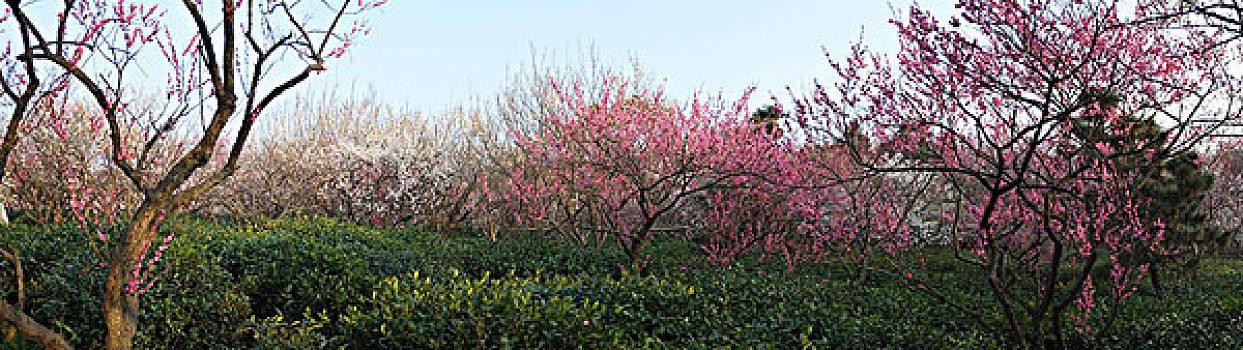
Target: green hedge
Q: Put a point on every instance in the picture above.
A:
(1203, 314)
(317, 283)
(462, 312)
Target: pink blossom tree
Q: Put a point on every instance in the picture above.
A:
(750, 215)
(637, 156)
(218, 68)
(988, 103)
(740, 219)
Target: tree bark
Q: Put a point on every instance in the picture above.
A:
(18, 319)
(31, 328)
(1156, 277)
(120, 306)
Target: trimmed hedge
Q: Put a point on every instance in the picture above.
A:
(318, 283)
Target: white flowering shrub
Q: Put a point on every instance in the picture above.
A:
(62, 158)
(1224, 200)
(352, 159)
(395, 177)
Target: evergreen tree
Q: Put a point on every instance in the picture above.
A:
(1172, 185)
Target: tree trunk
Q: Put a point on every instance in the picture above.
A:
(633, 255)
(120, 314)
(1156, 278)
(32, 329)
(634, 250)
(19, 321)
(4, 214)
(861, 275)
(120, 305)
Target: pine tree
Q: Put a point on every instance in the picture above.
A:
(1172, 185)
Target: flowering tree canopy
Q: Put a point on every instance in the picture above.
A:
(993, 103)
(217, 69)
(638, 156)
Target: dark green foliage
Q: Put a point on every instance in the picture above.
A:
(62, 277)
(197, 305)
(769, 118)
(307, 283)
(1206, 314)
(327, 274)
(694, 310)
(457, 311)
(194, 306)
(1176, 195)
(1170, 184)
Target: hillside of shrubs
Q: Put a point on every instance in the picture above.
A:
(1020, 175)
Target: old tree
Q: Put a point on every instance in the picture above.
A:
(169, 81)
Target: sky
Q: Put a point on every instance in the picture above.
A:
(431, 56)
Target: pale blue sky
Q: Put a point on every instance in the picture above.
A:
(432, 55)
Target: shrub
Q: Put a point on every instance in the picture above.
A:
(286, 269)
(62, 279)
(356, 160)
(196, 304)
(709, 310)
(340, 285)
(275, 332)
(459, 312)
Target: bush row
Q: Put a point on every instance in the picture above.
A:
(319, 283)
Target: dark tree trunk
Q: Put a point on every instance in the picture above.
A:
(120, 306)
(1156, 278)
